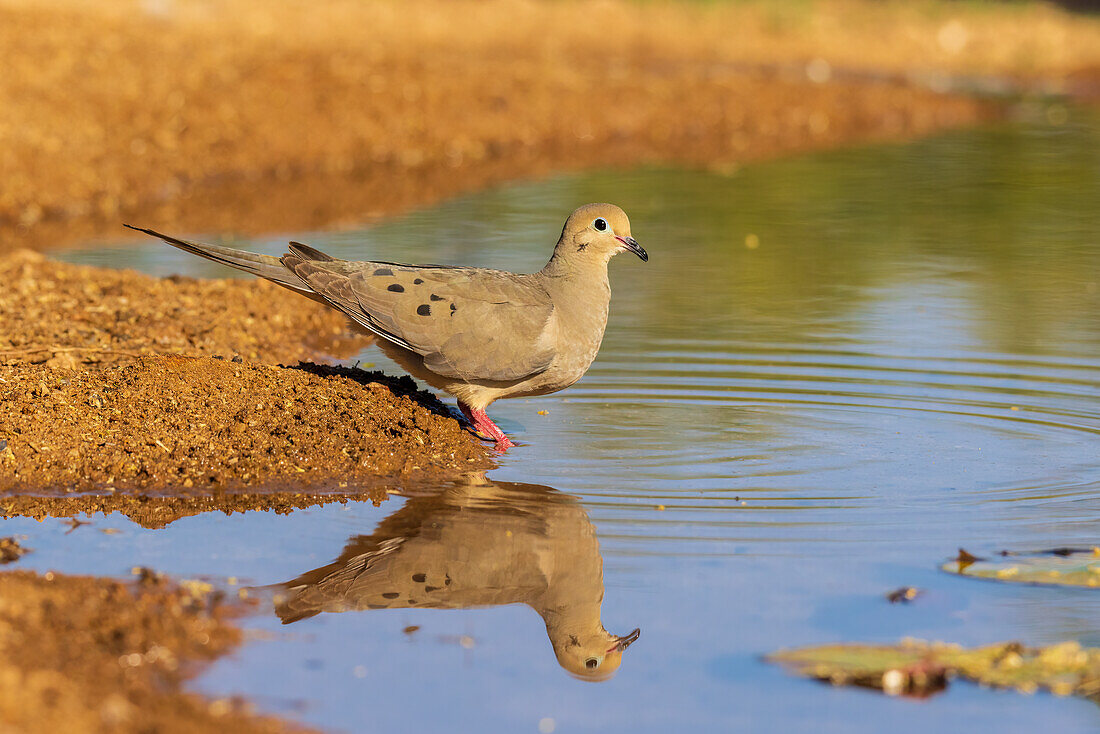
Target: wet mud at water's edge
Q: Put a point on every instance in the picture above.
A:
(154, 511)
(84, 654)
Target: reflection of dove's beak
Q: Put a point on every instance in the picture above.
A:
(632, 244)
(621, 643)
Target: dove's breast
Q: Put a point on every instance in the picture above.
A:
(572, 334)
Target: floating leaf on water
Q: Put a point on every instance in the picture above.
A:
(904, 594)
(919, 668)
(1055, 567)
(896, 669)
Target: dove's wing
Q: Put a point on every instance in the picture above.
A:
(332, 588)
(467, 323)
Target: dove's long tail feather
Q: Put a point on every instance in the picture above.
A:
(265, 266)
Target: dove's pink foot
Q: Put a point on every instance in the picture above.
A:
(484, 425)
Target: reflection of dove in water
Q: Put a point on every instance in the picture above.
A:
(476, 545)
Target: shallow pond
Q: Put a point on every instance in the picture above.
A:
(833, 372)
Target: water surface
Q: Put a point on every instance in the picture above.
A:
(833, 372)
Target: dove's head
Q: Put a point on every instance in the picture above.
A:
(594, 656)
(597, 232)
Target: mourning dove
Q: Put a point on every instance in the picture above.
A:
(476, 333)
(476, 544)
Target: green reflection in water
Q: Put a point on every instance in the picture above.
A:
(1007, 215)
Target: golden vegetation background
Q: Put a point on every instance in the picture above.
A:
(249, 115)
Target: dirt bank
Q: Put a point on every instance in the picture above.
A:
(239, 115)
(84, 654)
(67, 315)
(214, 424)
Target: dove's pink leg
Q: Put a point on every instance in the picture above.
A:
(483, 424)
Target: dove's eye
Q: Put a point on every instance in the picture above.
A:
(591, 663)
(600, 224)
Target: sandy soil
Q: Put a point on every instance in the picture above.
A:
(69, 316)
(202, 422)
(83, 654)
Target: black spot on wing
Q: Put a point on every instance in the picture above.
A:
(383, 271)
(391, 595)
(396, 288)
(420, 577)
(418, 281)
(424, 309)
(434, 297)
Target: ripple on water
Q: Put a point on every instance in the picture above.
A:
(762, 435)
(1054, 393)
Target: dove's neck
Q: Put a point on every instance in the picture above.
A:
(568, 262)
(576, 620)
(570, 603)
(571, 279)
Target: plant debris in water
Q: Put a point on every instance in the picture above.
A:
(11, 550)
(903, 595)
(1054, 567)
(917, 668)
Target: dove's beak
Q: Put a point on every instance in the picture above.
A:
(632, 244)
(621, 643)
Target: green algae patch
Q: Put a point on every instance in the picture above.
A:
(1055, 567)
(917, 668)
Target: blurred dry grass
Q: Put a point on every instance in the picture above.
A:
(248, 115)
